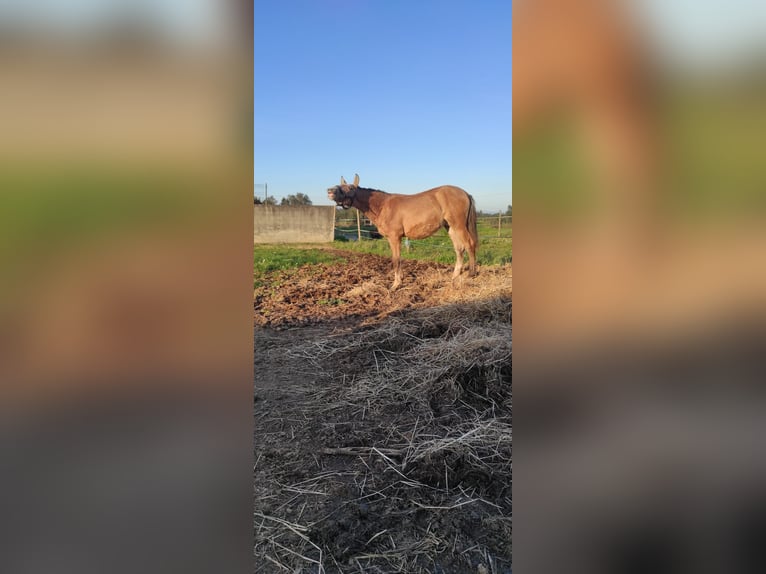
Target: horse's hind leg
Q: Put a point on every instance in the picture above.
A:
(458, 262)
(472, 260)
(459, 250)
(396, 261)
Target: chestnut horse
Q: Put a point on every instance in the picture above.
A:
(416, 217)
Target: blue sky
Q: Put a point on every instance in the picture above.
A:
(410, 95)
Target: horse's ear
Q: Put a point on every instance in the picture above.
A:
(342, 181)
(356, 180)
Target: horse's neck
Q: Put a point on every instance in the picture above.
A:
(370, 202)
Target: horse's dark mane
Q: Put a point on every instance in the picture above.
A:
(370, 189)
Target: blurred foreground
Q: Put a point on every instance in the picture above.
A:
(641, 294)
(125, 322)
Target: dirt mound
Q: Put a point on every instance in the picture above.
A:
(359, 288)
(387, 447)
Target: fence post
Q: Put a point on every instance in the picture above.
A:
(358, 226)
(499, 222)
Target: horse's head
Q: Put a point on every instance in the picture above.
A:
(344, 193)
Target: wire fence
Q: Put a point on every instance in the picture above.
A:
(495, 241)
(489, 227)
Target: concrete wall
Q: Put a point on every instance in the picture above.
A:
(297, 224)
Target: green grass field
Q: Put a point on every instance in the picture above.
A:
(493, 250)
(268, 258)
(276, 257)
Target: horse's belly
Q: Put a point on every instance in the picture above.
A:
(421, 230)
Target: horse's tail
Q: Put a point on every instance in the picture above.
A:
(470, 221)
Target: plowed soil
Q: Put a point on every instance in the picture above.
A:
(382, 419)
(359, 289)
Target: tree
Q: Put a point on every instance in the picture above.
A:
(509, 211)
(297, 199)
(270, 200)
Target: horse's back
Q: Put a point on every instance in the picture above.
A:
(446, 202)
(446, 191)
(454, 201)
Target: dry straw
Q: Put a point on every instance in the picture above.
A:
(433, 388)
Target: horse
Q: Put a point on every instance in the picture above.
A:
(416, 216)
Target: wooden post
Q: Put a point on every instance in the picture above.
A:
(358, 226)
(499, 222)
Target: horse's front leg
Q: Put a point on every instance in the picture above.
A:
(395, 243)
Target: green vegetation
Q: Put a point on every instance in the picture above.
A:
(298, 199)
(273, 257)
(83, 201)
(49, 210)
(710, 143)
(493, 250)
(549, 171)
(714, 147)
(268, 258)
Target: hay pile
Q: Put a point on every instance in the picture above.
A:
(411, 420)
(447, 353)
